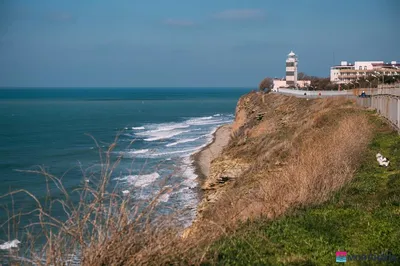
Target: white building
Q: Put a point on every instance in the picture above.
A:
(346, 73)
(291, 75)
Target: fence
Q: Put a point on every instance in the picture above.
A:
(386, 100)
(306, 93)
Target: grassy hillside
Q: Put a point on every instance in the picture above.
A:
(285, 152)
(362, 218)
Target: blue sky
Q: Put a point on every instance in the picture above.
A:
(179, 43)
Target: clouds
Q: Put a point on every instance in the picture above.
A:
(240, 14)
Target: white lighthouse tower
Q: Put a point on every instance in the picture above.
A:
(291, 70)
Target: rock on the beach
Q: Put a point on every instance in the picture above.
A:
(382, 160)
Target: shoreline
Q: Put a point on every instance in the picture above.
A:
(203, 158)
(201, 161)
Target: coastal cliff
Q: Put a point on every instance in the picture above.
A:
(290, 182)
(283, 152)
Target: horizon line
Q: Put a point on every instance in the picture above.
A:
(124, 87)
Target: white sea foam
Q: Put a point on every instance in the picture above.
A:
(187, 171)
(205, 118)
(137, 128)
(143, 180)
(163, 128)
(189, 197)
(188, 168)
(172, 126)
(169, 130)
(139, 151)
(9, 245)
(168, 153)
(164, 197)
(165, 134)
(203, 122)
(196, 133)
(140, 180)
(182, 141)
(189, 183)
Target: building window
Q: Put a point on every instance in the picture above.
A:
(365, 67)
(290, 64)
(289, 73)
(360, 68)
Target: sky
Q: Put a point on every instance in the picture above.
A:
(187, 43)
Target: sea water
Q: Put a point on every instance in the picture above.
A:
(158, 130)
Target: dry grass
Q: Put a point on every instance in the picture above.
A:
(323, 164)
(313, 150)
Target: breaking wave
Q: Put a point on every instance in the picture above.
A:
(140, 180)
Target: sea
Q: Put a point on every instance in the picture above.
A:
(62, 130)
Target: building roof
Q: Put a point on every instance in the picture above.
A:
(386, 64)
(291, 53)
(342, 67)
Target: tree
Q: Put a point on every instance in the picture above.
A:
(303, 76)
(320, 83)
(266, 83)
(368, 82)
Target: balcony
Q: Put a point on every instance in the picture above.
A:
(349, 76)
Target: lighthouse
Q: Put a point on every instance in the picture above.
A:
(291, 70)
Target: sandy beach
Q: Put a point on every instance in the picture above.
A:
(203, 158)
(202, 162)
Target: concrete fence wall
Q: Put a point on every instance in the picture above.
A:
(386, 101)
(389, 90)
(312, 93)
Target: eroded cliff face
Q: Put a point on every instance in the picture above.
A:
(261, 121)
(284, 151)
